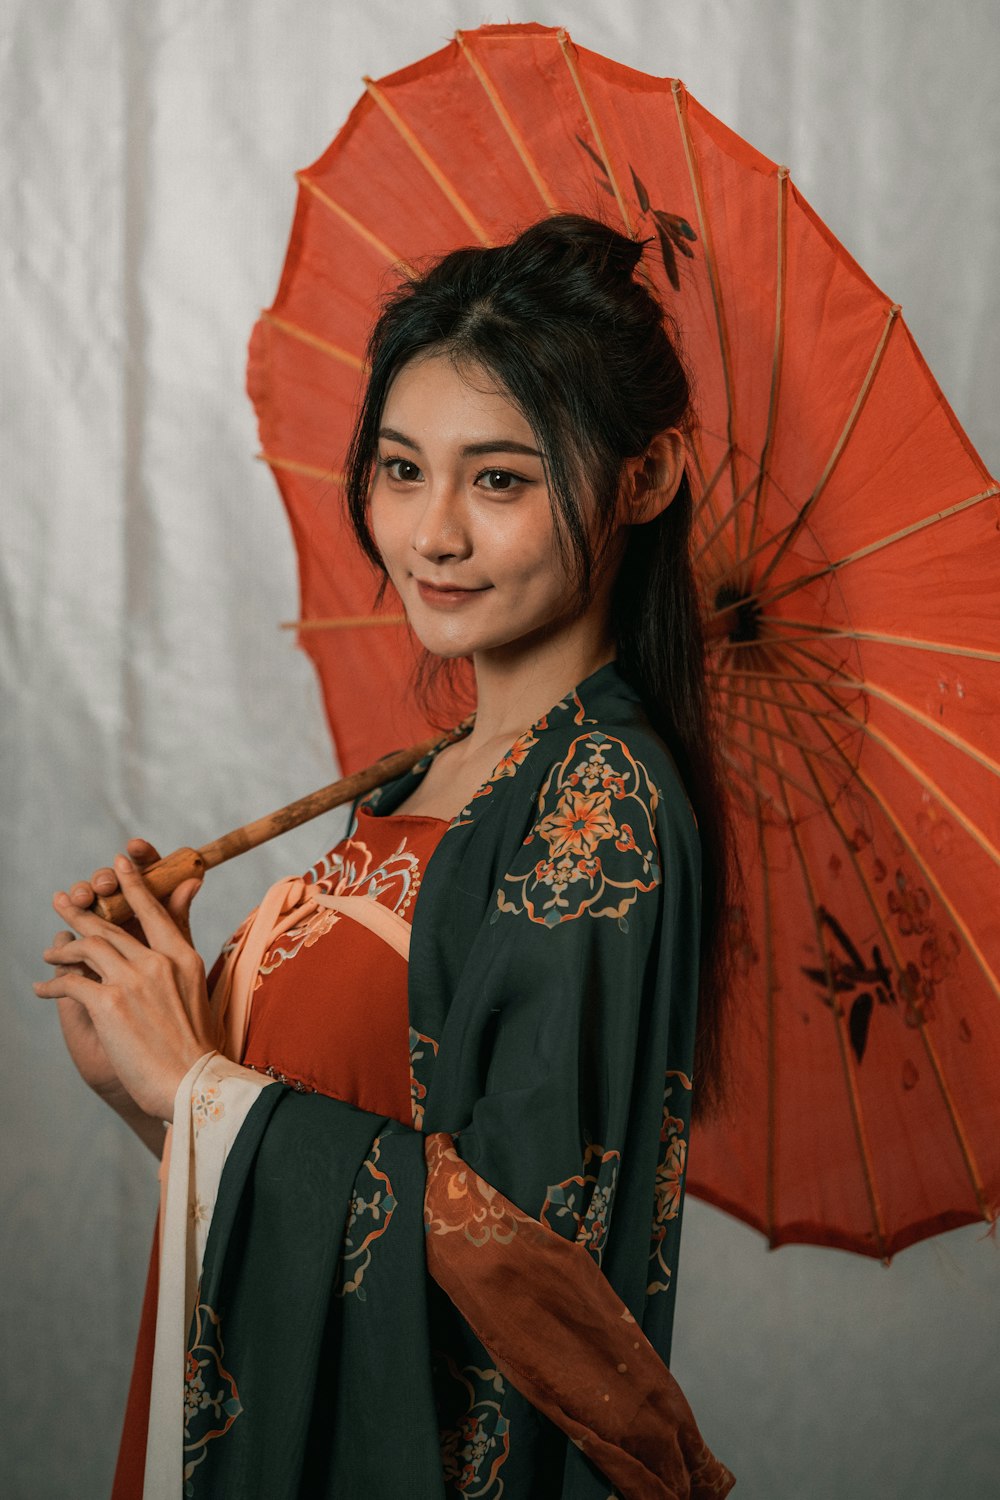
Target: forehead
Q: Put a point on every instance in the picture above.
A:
(434, 396)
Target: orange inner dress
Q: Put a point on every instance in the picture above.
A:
(330, 1004)
(329, 1015)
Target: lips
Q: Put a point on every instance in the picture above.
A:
(446, 596)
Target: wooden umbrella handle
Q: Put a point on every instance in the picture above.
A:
(183, 864)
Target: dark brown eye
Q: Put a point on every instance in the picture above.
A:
(498, 480)
(401, 468)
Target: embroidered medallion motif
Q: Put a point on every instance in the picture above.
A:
(423, 1051)
(475, 1434)
(669, 1182)
(594, 840)
(373, 1204)
(586, 1200)
(211, 1400)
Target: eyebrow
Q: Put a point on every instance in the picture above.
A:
(471, 450)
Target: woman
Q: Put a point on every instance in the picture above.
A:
(452, 1272)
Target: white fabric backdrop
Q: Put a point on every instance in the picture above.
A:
(146, 159)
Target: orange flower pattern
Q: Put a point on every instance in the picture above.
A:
(466, 1204)
(512, 761)
(206, 1107)
(373, 1204)
(594, 839)
(585, 1200)
(211, 1400)
(475, 1434)
(423, 1051)
(669, 1183)
(507, 766)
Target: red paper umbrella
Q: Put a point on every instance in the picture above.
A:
(848, 552)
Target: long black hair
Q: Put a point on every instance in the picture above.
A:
(559, 319)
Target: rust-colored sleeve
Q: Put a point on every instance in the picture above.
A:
(559, 1332)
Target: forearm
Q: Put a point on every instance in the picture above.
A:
(148, 1128)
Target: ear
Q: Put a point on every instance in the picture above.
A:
(652, 481)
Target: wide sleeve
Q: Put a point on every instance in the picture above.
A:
(553, 1211)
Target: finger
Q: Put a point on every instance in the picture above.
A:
(72, 984)
(104, 881)
(89, 924)
(142, 852)
(60, 959)
(91, 953)
(178, 904)
(160, 929)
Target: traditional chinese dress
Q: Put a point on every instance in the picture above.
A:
(469, 1291)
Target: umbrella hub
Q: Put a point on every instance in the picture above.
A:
(740, 613)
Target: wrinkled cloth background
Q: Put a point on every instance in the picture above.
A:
(146, 160)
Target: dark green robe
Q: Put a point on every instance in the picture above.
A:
(536, 1200)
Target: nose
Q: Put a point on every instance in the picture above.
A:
(440, 530)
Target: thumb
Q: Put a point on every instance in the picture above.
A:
(179, 904)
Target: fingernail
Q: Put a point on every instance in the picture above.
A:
(60, 898)
(123, 863)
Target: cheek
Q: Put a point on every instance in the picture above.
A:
(523, 541)
(383, 519)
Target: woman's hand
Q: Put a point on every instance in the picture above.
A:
(104, 882)
(82, 1041)
(134, 1008)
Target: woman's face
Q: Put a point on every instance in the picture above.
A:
(461, 514)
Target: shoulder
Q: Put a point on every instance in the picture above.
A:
(599, 742)
(602, 817)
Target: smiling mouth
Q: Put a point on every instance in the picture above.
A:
(447, 594)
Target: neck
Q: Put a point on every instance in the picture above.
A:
(515, 686)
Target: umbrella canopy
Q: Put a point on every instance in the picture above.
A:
(848, 553)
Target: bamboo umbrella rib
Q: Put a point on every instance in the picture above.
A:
(829, 805)
(850, 1080)
(754, 788)
(792, 738)
(517, 140)
(677, 88)
(921, 778)
(779, 770)
(805, 708)
(907, 710)
(968, 1155)
(925, 721)
(728, 515)
(991, 978)
(293, 466)
(862, 552)
(303, 336)
(562, 37)
(707, 513)
(974, 653)
(840, 713)
(696, 456)
(362, 230)
(430, 166)
(770, 982)
(779, 332)
(888, 937)
(806, 509)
